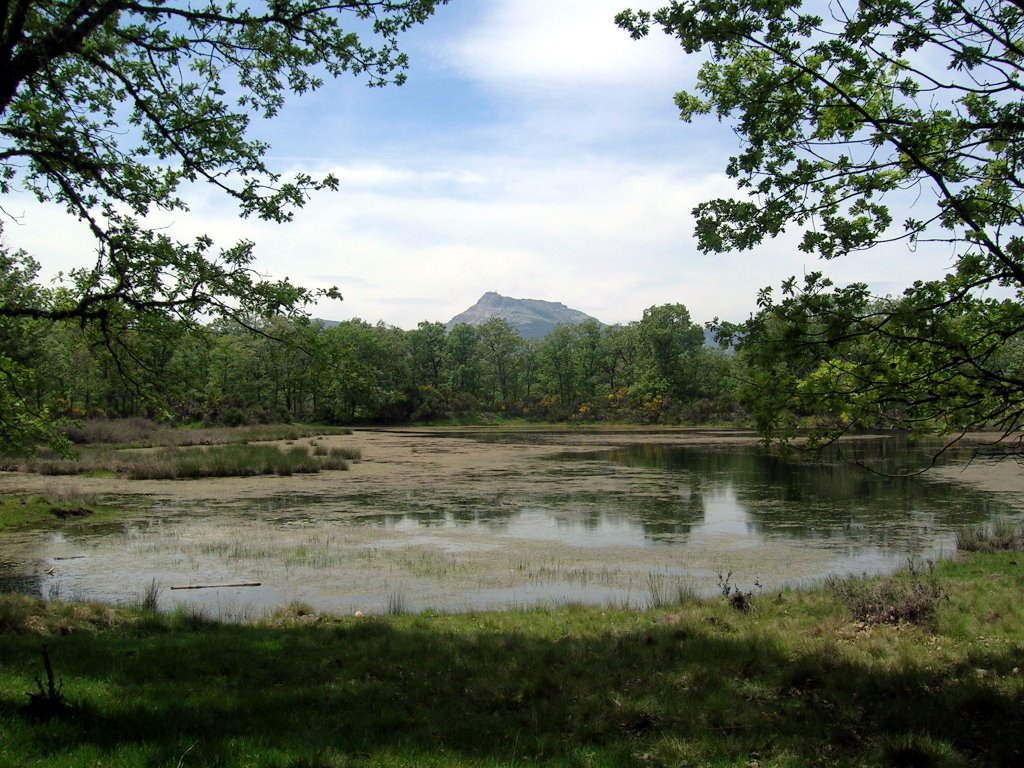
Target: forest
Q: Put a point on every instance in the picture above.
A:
(815, 364)
(656, 370)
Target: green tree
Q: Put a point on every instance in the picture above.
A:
(571, 361)
(501, 349)
(882, 121)
(671, 341)
(426, 350)
(557, 353)
(108, 108)
(23, 419)
(463, 366)
(619, 356)
(588, 359)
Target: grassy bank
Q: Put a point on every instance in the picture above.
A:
(34, 511)
(792, 679)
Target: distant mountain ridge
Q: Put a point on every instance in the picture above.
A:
(532, 318)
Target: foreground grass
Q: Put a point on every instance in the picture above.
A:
(794, 681)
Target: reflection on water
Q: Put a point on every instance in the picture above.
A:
(592, 526)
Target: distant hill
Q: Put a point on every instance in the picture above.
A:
(533, 318)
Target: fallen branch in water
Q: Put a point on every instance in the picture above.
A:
(220, 586)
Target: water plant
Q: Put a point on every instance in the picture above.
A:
(663, 591)
(227, 461)
(397, 604)
(100, 443)
(17, 510)
(995, 537)
(150, 600)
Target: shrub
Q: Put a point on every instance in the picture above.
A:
(233, 417)
(736, 597)
(134, 431)
(911, 597)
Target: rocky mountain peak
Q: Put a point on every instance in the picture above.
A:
(533, 318)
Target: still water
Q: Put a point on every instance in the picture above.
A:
(469, 521)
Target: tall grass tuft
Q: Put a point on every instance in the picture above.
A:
(150, 600)
(227, 461)
(397, 604)
(663, 592)
(998, 537)
(350, 454)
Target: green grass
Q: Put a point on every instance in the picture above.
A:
(30, 511)
(794, 681)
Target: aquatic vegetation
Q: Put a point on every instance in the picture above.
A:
(997, 537)
(150, 600)
(116, 446)
(664, 591)
(57, 507)
(240, 459)
(397, 604)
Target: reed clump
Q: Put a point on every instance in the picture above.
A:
(998, 537)
(229, 461)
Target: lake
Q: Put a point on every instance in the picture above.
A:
(462, 520)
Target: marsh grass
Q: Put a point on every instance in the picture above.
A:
(143, 433)
(796, 682)
(242, 459)
(150, 599)
(397, 604)
(101, 450)
(223, 461)
(56, 509)
(664, 591)
(1003, 536)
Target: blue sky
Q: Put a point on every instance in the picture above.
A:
(534, 151)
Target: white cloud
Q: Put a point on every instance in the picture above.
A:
(406, 243)
(540, 45)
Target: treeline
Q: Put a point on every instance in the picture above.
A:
(656, 370)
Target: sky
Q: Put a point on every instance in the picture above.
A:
(535, 151)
